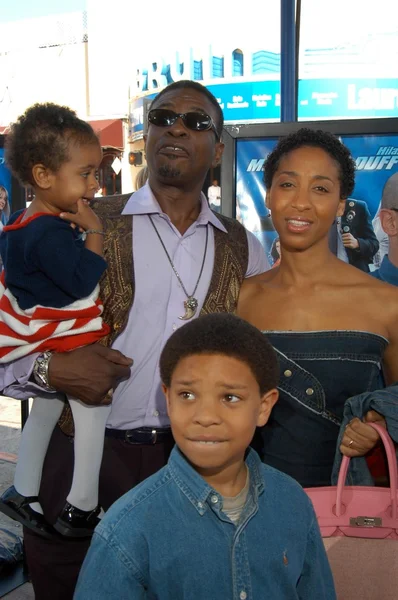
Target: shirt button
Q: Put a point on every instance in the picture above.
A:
(288, 373)
(200, 504)
(214, 499)
(243, 595)
(309, 391)
(155, 413)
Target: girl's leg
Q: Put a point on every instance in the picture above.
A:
(90, 422)
(35, 438)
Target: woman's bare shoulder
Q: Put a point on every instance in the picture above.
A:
(385, 295)
(253, 286)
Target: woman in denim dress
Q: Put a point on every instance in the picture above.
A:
(333, 326)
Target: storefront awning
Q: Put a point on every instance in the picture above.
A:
(110, 132)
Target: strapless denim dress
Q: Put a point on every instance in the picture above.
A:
(319, 371)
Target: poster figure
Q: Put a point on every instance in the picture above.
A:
(4, 206)
(383, 240)
(214, 196)
(275, 252)
(352, 238)
(376, 158)
(5, 193)
(5, 189)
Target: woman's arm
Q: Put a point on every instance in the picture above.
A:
(359, 438)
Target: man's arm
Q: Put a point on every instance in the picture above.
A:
(258, 260)
(390, 357)
(15, 378)
(108, 572)
(86, 373)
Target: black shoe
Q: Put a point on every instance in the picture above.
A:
(74, 522)
(16, 506)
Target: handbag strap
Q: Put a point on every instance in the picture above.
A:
(392, 469)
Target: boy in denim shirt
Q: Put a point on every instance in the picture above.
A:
(215, 522)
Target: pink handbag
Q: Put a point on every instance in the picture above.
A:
(359, 526)
(359, 511)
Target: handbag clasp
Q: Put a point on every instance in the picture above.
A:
(366, 522)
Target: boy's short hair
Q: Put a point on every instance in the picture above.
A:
(316, 139)
(227, 335)
(42, 136)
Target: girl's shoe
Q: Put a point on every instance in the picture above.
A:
(74, 522)
(16, 506)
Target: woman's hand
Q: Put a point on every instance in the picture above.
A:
(359, 438)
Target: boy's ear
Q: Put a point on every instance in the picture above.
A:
(166, 393)
(42, 176)
(267, 403)
(267, 198)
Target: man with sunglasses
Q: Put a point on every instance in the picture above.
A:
(170, 258)
(388, 270)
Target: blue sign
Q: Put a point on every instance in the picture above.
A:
(259, 101)
(248, 101)
(347, 98)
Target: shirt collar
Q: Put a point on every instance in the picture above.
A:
(388, 272)
(143, 202)
(195, 488)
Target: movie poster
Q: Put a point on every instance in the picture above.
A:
(376, 158)
(5, 191)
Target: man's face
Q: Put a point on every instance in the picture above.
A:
(176, 155)
(214, 404)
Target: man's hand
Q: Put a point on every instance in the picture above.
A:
(359, 438)
(88, 373)
(349, 241)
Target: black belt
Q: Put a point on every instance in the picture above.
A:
(142, 435)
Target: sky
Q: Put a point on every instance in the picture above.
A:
(14, 10)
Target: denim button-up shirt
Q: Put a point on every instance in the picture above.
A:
(168, 539)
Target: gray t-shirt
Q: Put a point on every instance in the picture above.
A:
(233, 507)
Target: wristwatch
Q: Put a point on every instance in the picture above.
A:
(40, 371)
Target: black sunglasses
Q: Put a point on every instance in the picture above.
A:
(196, 121)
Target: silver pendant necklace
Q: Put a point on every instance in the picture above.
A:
(191, 303)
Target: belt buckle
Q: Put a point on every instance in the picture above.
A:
(154, 436)
(127, 437)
